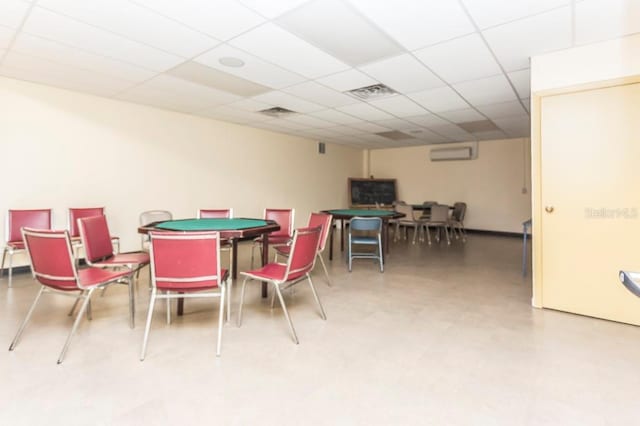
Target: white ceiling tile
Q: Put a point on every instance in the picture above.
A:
(452, 132)
(319, 94)
(527, 104)
(514, 43)
(65, 30)
(465, 58)
(369, 127)
(488, 13)
(288, 101)
(403, 73)
(338, 29)
(427, 120)
(598, 20)
(346, 130)
(486, 90)
(416, 24)
(463, 115)
(250, 105)
(165, 87)
(347, 80)
(439, 100)
(490, 135)
(254, 68)
(135, 23)
(222, 19)
(324, 133)
(399, 106)
(283, 124)
(232, 114)
(522, 82)
(431, 137)
(25, 67)
(335, 116)
(502, 109)
(6, 35)
(280, 47)
(211, 77)
(13, 12)
(308, 121)
(364, 111)
(272, 8)
(399, 124)
(515, 127)
(53, 51)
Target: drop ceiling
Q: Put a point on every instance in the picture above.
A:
(460, 68)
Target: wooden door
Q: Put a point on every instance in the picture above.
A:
(590, 192)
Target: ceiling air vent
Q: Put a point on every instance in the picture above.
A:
(277, 112)
(376, 91)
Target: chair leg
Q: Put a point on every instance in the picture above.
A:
(168, 308)
(4, 255)
(89, 313)
(349, 253)
(244, 284)
(315, 296)
(145, 339)
(273, 299)
(380, 254)
(26, 319)
(286, 314)
(73, 308)
(228, 297)
(324, 267)
(426, 230)
(415, 233)
(221, 318)
(132, 302)
(10, 268)
(87, 298)
(446, 233)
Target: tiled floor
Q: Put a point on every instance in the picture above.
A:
(445, 336)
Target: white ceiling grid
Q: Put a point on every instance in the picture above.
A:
(451, 62)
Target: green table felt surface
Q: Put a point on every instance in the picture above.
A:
(210, 224)
(358, 212)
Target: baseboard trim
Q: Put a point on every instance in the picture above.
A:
(495, 233)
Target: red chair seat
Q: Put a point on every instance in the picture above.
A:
(94, 276)
(16, 245)
(284, 250)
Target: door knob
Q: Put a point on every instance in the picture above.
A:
(548, 209)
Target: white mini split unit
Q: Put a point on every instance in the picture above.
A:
(453, 154)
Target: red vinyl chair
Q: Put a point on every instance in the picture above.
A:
(284, 218)
(304, 249)
(98, 247)
(15, 220)
(78, 213)
(53, 266)
(186, 265)
(323, 220)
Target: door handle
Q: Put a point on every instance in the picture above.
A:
(548, 209)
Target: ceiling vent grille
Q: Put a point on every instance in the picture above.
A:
(277, 112)
(377, 91)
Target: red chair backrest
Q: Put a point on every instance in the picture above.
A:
(17, 219)
(185, 260)
(96, 238)
(77, 213)
(303, 252)
(215, 213)
(284, 218)
(323, 220)
(51, 258)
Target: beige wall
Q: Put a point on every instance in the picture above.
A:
(64, 149)
(491, 185)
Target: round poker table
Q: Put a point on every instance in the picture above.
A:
(233, 229)
(347, 214)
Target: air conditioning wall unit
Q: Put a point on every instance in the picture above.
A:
(453, 154)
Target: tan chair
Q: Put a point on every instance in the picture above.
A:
(439, 220)
(409, 220)
(151, 216)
